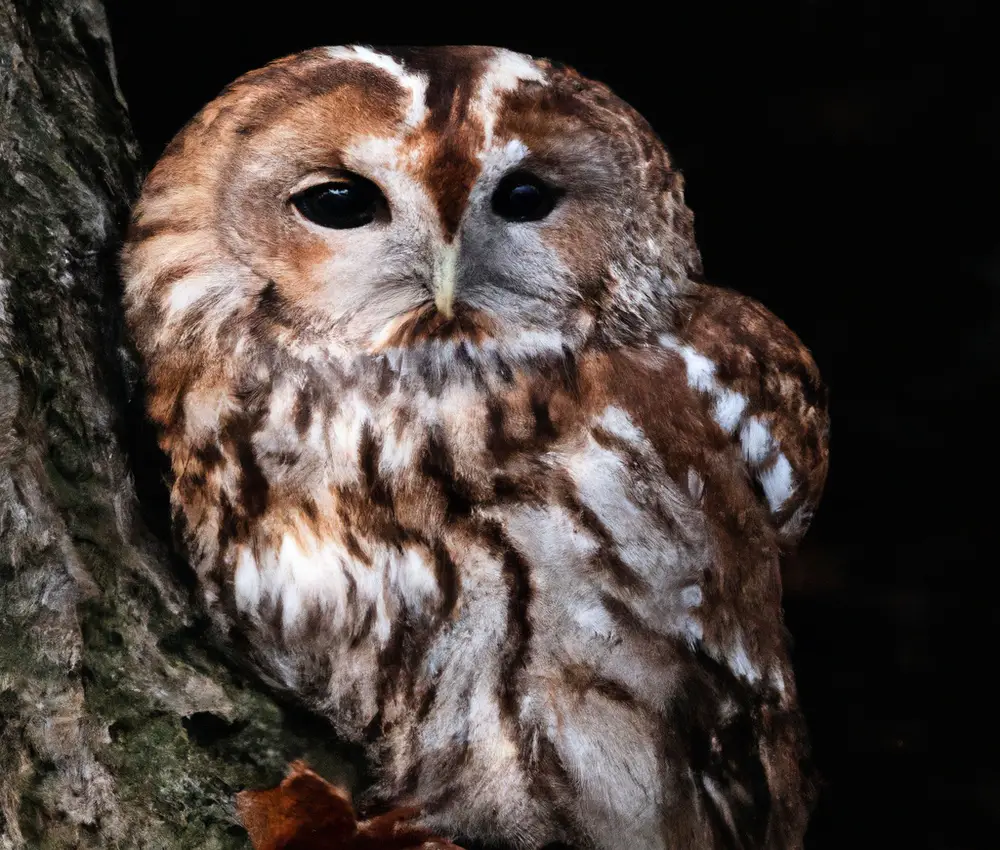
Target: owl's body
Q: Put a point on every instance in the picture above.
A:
(502, 496)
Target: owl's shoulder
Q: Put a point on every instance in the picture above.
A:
(729, 384)
(747, 342)
(767, 393)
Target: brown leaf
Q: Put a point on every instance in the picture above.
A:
(306, 812)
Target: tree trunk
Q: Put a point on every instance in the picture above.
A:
(119, 726)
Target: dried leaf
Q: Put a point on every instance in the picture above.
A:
(306, 812)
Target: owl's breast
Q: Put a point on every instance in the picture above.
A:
(347, 519)
(475, 568)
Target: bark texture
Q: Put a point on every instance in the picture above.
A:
(119, 726)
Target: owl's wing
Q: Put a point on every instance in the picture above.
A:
(766, 393)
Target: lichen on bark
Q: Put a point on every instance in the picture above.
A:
(120, 726)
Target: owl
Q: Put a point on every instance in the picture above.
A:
(468, 459)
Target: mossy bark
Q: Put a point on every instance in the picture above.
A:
(119, 726)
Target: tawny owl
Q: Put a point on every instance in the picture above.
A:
(465, 456)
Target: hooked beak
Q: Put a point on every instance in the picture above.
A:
(443, 285)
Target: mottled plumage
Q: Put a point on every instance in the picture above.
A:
(502, 499)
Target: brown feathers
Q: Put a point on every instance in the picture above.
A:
(502, 497)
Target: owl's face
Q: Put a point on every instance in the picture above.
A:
(368, 201)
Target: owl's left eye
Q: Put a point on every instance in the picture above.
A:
(523, 197)
(341, 204)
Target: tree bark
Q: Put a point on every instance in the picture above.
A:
(119, 725)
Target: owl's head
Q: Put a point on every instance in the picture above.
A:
(364, 201)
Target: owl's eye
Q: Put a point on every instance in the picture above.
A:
(523, 197)
(351, 201)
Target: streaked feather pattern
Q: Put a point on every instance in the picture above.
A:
(525, 548)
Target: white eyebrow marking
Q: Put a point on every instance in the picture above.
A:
(416, 84)
(505, 72)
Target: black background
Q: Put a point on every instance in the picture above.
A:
(842, 160)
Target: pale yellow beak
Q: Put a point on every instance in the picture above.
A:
(445, 266)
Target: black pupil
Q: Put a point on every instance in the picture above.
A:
(523, 197)
(340, 205)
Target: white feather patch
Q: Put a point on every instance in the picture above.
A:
(616, 421)
(246, 582)
(700, 370)
(777, 482)
(755, 440)
(728, 410)
(505, 72)
(740, 663)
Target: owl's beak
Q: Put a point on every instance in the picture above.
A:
(445, 267)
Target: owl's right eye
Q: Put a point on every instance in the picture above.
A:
(341, 204)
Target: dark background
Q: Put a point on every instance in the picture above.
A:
(842, 160)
